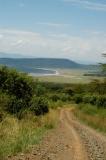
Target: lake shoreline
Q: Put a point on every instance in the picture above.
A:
(56, 73)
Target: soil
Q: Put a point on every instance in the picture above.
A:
(71, 140)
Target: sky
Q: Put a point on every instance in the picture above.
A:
(72, 29)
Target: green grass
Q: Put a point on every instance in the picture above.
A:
(20, 135)
(92, 116)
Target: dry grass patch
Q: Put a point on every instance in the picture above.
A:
(20, 135)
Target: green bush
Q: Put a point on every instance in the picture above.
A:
(69, 91)
(65, 97)
(88, 109)
(101, 101)
(16, 105)
(86, 98)
(18, 89)
(98, 100)
(93, 99)
(39, 105)
(55, 97)
(4, 100)
(16, 84)
(90, 99)
(78, 98)
(39, 90)
(60, 96)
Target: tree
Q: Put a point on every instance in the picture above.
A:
(103, 66)
(18, 86)
(39, 105)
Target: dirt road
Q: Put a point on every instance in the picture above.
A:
(70, 141)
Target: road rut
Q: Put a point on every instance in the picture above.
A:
(71, 140)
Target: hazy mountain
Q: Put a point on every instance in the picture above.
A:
(10, 55)
(29, 64)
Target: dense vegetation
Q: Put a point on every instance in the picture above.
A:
(26, 104)
(17, 92)
(24, 112)
(20, 93)
(92, 116)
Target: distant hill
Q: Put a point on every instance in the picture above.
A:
(29, 64)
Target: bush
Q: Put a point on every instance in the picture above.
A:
(64, 97)
(60, 97)
(55, 97)
(97, 100)
(101, 101)
(16, 105)
(93, 99)
(4, 100)
(78, 98)
(18, 88)
(90, 99)
(39, 90)
(88, 109)
(16, 84)
(39, 105)
(69, 91)
(86, 98)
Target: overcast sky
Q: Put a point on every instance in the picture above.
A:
(73, 29)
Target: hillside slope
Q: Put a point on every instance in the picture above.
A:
(29, 64)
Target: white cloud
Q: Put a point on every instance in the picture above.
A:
(53, 24)
(1, 36)
(28, 44)
(88, 4)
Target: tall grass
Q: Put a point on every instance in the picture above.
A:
(92, 116)
(20, 135)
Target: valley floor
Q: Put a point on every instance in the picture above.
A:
(71, 140)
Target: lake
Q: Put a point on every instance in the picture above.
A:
(43, 72)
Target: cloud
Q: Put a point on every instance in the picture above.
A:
(88, 4)
(1, 36)
(31, 44)
(53, 24)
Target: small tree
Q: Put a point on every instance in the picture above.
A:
(39, 105)
(103, 66)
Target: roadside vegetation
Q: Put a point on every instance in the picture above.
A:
(25, 115)
(20, 135)
(92, 116)
(29, 108)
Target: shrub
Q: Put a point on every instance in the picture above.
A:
(16, 84)
(55, 97)
(98, 100)
(16, 105)
(78, 98)
(64, 97)
(18, 88)
(39, 90)
(88, 109)
(39, 105)
(93, 99)
(86, 98)
(69, 91)
(101, 101)
(90, 99)
(4, 100)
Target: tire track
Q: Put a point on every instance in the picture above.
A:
(79, 152)
(71, 140)
(94, 142)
